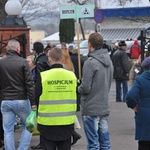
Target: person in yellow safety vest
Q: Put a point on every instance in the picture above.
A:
(57, 104)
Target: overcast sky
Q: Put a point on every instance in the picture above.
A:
(114, 3)
(104, 3)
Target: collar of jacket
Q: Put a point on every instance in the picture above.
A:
(13, 52)
(56, 66)
(39, 55)
(97, 51)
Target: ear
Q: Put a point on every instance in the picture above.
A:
(50, 60)
(63, 59)
(89, 46)
(18, 49)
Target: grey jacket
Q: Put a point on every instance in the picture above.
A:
(96, 81)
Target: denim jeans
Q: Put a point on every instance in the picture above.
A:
(96, 131)
(9, 109)
(119, 89)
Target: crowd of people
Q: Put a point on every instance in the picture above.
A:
(48, 79)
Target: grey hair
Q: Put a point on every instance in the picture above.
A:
(13, 44)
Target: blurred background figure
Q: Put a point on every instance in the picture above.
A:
(67, 64)
(63, 46)
(49, 45)
(105, 45)
(135, 50)
(30, 60)
(70, 49)
(114, 47)
(121, 71)
(135, 70)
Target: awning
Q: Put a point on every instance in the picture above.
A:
(121, 34)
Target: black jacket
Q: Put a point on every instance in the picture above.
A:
(41, 64)
(121, 65)
(15, 78)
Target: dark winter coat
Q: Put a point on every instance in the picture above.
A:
(121, 65)
(15, 78)
(41, 64)
(139, 95)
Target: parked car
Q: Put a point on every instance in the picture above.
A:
(83, 48)
(71, 44)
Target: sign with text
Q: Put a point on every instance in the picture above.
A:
(77, 11)
(67, 12)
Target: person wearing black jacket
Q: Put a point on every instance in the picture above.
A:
(42, 64)
(121, 71)
(17, 94)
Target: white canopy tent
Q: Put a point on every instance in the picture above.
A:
(54, 38)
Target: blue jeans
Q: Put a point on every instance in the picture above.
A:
(9, 109)
(124, 84)
(96, 131)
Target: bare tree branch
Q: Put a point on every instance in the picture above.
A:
(33, 10)
(2, 10)
(124, 2)
(83, 2)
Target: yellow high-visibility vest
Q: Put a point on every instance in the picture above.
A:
(57, 104)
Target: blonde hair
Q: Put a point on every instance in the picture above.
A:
(67, 60)
(32, 57)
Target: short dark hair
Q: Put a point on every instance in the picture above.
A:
(96, 40)
(38, 47)
(55, 54)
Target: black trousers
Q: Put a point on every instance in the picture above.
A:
(55, 145)
(144, 145)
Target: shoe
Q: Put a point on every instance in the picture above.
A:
(1, 144)
(37, 146)
(75, 137)
(118, 100)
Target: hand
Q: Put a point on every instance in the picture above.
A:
(135, 109)
(34, 106)
(127, 74)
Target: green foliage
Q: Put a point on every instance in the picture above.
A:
(66, 30)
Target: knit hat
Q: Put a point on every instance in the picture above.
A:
(122, 43)
(146, 63)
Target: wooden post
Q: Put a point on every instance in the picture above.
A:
(78, 42)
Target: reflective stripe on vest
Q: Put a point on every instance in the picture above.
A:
(57, 105)
(57, 102)
(56, 114)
